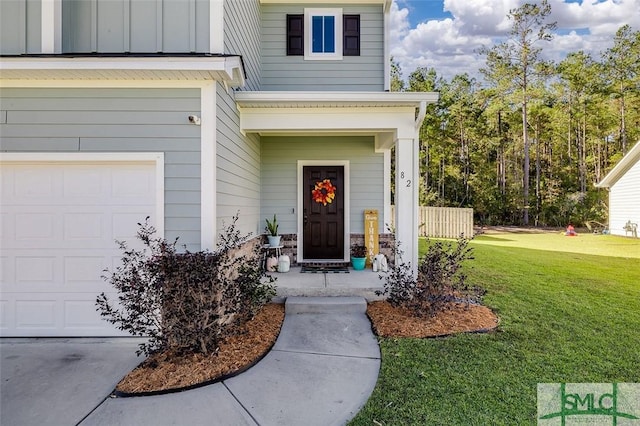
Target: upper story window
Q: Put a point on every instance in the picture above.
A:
(323, 34)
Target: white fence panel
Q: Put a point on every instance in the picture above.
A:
(443, 222)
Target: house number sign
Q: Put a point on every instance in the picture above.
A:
(407, 182)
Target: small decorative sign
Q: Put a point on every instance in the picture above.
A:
(371, 234)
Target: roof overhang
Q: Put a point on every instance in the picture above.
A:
(384, 100)
(386, 3)
(227, 69)
(385, 115)
(623, 166)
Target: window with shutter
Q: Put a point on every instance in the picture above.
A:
(319, 34)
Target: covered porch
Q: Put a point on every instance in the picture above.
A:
(380, 120)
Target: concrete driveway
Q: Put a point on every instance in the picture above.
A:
(60, 381)
(320, 372)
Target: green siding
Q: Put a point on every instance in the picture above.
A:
(238, 156)
(112, 26)
(20, 27)
(116, 120)
(237, 168)
(242, 37)
(352, 73)
(279, 176)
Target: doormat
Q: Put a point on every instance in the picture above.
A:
(325, 268)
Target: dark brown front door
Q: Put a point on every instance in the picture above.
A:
(323, 210)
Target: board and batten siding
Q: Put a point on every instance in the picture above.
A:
(237, 168)
(116, 120)
(624, 201)
(242, 37)
(280, 157)
(115, 26)
(20, 27)
(351, 73)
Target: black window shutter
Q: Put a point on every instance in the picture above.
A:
(351, 35)
(295, 35)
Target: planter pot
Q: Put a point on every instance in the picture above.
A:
(358, 263)
(274, 241)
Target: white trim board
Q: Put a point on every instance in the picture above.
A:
(347, 203)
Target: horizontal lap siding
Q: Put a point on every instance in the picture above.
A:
(242, 37)
(280, 157)
(352, 73)
(238, 156)
(116, 120)
(624, 201)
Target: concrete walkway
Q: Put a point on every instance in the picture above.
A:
(321, 371)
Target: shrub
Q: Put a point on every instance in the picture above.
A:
(186, 302)
(440, 279)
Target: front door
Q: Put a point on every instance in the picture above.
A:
(323, 212)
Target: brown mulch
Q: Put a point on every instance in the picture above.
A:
(168, 372)
(389, 321)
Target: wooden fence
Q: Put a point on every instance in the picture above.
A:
(443, 222)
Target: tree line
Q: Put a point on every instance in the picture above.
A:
(527, 144)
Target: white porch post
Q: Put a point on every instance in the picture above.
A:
(208, 190)
(406, 200)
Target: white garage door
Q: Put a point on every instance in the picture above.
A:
(59, 223)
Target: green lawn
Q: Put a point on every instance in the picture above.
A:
(566, 316)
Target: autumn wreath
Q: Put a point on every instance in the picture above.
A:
(324, 192)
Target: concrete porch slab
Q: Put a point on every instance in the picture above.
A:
(355, 283)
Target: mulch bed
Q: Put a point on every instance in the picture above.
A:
(389, 321)
(167, 372)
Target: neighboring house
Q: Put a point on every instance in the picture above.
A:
(189, 111)
(623, 183)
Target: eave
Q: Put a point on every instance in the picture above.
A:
(623, 166)
(334, 99)
(385, 115)
(227, 69)
(386, 3)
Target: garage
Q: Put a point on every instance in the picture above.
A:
(61, 215)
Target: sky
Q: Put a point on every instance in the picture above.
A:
(446, 34)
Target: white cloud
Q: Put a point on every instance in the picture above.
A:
(600, 17)
(481, 17)
(449, 45)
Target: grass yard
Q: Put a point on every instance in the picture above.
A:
(570, 312)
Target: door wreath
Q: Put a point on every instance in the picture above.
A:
(324, 192)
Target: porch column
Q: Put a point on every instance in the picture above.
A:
(208, 175)
(406, 200)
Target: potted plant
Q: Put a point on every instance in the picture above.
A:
(272, 232)
(358, 256)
